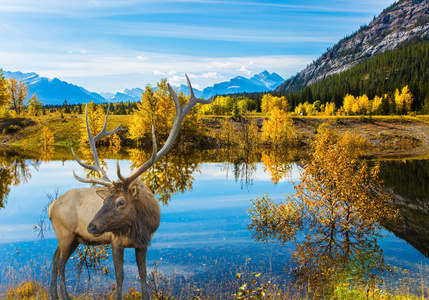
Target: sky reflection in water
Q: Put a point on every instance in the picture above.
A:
(204, 224)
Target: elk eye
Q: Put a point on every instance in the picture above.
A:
(120, 202)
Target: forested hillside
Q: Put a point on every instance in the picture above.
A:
(408, 65)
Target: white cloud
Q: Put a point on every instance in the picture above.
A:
(206, 75)
(141, 58)
(245, 70)
(94, 70)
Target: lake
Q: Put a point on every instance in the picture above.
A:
(203, 236)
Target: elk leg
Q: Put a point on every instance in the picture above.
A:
(141, 263)
(54, 279)
(66, 249)
(118, 262)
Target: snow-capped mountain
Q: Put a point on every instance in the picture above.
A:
(133, 95)
(54, 91)
(261, 82)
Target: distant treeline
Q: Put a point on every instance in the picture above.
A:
(121, 108)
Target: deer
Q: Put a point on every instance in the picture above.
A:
(123, 213)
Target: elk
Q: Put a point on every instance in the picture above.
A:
(123, 213)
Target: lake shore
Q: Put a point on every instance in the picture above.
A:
(389, 136)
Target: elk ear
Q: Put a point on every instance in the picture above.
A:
(134, 190)
(103, 193)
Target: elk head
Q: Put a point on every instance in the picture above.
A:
(128, 199)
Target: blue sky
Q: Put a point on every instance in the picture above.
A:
(111, 45)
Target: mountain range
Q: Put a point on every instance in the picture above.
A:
(401, 22)
(262, 82)
(55, 91)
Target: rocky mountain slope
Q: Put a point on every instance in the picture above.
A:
(401, 21)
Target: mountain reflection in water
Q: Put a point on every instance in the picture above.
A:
(409, 182)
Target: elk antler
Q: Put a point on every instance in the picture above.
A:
(178, 119)
(92, 140)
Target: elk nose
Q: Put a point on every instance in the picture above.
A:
(92, 228)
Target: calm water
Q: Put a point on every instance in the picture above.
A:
(202, 235)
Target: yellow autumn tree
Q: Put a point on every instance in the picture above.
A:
(157, 108)
(4, 91)
(338, 207)
(305, 109)
(278, 129)
(144, 116)
(34, 106)
(403, 100)
(376, 104)
(364, 105)
(330, 108)
(18, 92)
(270, 102)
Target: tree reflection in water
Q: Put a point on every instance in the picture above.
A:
(408, 181)
(279, 162)
(334, 219)
(171, 175)
(14, 170)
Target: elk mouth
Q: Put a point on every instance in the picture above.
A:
(94, 230)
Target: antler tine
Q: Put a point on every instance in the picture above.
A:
(180, 115)
(143, 167)
(92, 140)
(104, 132)
(93, 180)
(193, 100)
(178, 120)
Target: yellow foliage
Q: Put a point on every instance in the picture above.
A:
(338, 206)
(376, 102)
(278, 163)
(403, 100)
(46, 137)
(305, 109)
(27, 291)
(270, 102)
(278, 129)
(348, 102)
(157, 108)
(330, 108)
(115, 143)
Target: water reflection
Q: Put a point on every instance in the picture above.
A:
(171, 175)
(409, 183)
(14, 170)
(199, 213)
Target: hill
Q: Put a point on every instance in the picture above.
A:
(408, 65)
(402, 22)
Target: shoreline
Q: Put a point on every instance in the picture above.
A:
(390, 137)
